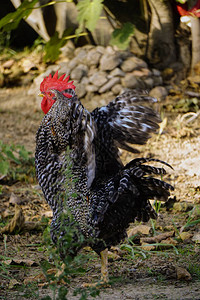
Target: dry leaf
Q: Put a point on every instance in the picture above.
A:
(27, 65)
(40, 277)
(8, 64)
(20, 262)
(146, 246)
(16, 222)
(196, 238)
(140, 229)
(185, 235)
(163, 124)
(183, 274)
(47, 214)
(157, 238)
(14, 199)
(169, 241)
(13, 282)
(113, 256)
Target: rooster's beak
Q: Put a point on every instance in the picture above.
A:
(41, 95)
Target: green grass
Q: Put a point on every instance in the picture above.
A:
(16, 163)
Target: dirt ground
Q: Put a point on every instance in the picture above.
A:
(158, 275)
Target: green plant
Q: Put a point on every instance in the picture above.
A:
(133, 249)
(69, 239)
(157, 206)
(190, 221)
(89, 12)
(194, 270)
(16, 163)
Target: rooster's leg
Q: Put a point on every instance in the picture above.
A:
(104, 271)
(104, 266)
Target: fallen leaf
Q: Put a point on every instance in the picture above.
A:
(13, 282)
(185, 235)
(14, 199)
(8, 64)
(196, 238)
(16, 222)
(113, 256)
(182, 206)
(157, 238)
(183, 274)
(7, 213)
(140, 229)
(163, 124)
(169, 241)
(146, 246)
(40, 277)
(47, 214)
(20, 262)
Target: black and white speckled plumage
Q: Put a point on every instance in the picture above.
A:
(109, 195)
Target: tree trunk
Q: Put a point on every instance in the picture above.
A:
(161, 50)
(195, 30)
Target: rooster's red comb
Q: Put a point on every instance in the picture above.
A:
(54, 82)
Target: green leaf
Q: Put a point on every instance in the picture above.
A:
(4, 167)
(121, 36)
(89, 12)
(52, 47)
(11, 20)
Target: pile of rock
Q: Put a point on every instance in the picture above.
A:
(105, 72)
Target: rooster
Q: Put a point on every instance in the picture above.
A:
(108, 195)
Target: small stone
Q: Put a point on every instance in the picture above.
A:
(100, 49)
(159, 92)
(133, 63)
(138, 73)
(80, 55)
(80, 71)
(109, 61)
(109, 84)
(156, 72)
(91, 88)
(157, 80)
(142, 72)
(98, 78)
(130, 81)
(148, 82)
(93, 57)
(73, 63)
(117, 72)
(85, 80)
(110, 50)
(93, 70)
(80, 90)
(64, 69)
(117, 89)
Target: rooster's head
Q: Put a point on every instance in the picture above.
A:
(59, 84)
